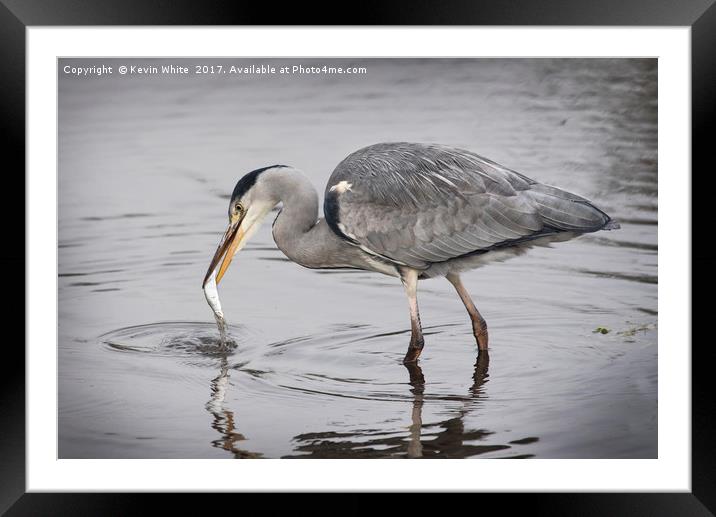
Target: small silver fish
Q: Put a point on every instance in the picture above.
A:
(211, 294)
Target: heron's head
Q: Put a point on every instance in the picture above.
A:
(252, 199)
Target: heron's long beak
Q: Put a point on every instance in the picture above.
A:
(227, 247)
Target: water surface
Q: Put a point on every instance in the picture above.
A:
(146, 167)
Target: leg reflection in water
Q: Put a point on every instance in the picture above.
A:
(446, 439)
(223, 420)
(450, 441)
(417, 388)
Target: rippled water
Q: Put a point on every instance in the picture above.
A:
(313, 367)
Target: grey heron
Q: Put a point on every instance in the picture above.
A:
(407, 210)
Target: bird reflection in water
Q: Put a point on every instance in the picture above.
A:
(223, 421)
(446, 439)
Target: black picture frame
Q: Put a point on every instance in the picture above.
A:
(17, 15)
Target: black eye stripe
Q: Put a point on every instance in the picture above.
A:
(245, 183)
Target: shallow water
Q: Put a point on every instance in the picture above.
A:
(313, 364)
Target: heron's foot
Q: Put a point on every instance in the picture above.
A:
(479, 329)
(416, 346)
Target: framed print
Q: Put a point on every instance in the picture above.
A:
(433, 182)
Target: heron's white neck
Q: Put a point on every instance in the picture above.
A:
(297, 230)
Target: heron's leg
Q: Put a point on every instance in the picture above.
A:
(479, 326)
(409, 277)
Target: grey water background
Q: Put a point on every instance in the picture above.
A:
(146, 167)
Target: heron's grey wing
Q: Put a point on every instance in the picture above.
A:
(417, 204)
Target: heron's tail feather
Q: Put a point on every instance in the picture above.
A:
(565, 211)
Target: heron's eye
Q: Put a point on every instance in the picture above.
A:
(239, 208)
